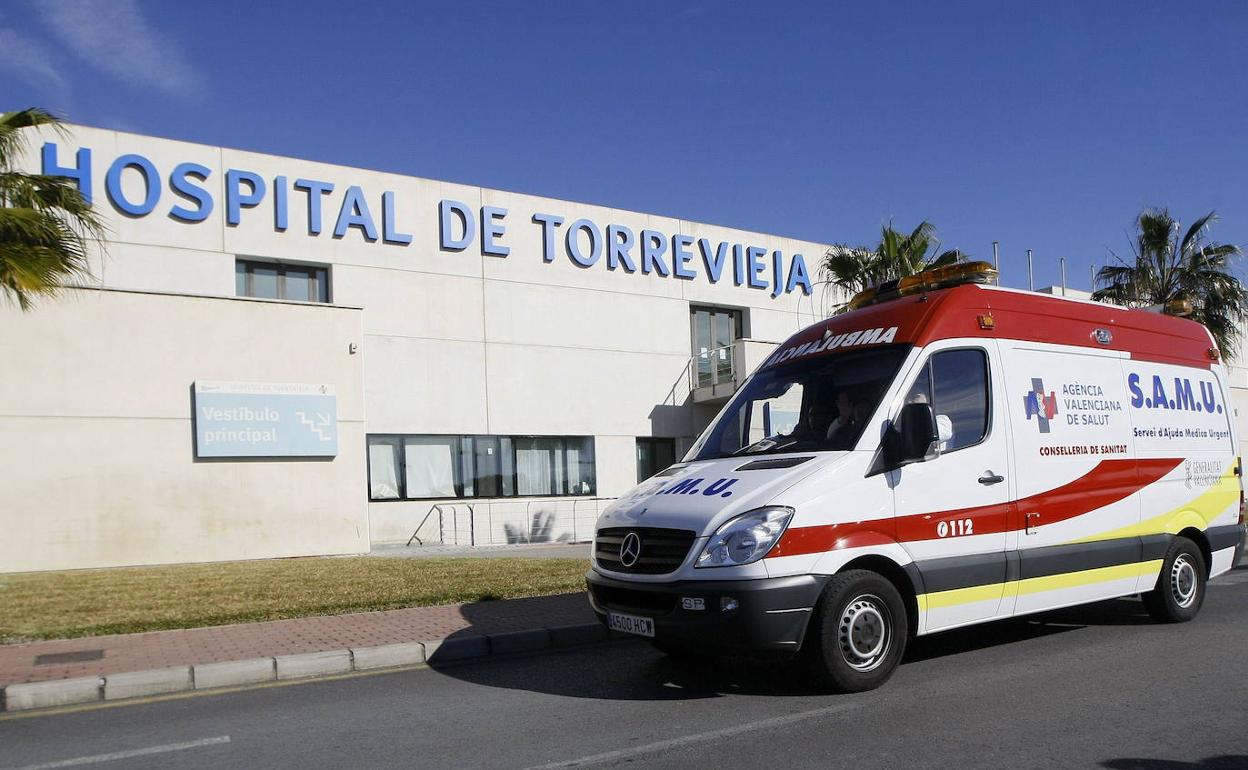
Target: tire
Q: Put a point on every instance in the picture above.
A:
(1180, 587)
(858, 633)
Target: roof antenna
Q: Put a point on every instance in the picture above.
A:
(1031, 283)
(1062, 260)
(996, 255)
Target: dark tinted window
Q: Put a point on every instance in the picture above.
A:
(955, 383)
(653, 455)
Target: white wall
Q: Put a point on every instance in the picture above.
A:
(97, 443)
(453, 341)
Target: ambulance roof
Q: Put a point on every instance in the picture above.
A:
(956, 312)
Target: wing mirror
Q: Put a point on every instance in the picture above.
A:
(912, 438)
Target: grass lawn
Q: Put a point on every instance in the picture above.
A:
(59, 605)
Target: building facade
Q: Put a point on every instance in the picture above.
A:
(276, 357)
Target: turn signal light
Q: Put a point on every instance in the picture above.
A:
(928, 280)
(1179, 307)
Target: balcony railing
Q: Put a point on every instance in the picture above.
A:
(714, 374)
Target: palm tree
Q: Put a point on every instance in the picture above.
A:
(1172, 271)
(855, 268)
(46, 224)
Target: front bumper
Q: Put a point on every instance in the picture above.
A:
(771, 614)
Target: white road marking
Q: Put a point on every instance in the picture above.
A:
(95, 758)
(688, 740)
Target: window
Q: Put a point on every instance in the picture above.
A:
(278, 280)
(816, 403)
(653, 455)
(955, 383)
(428, 467)
(713, 332)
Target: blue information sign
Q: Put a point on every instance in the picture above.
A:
(262, 419)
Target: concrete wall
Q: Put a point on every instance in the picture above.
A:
(454, 342)
(97, 442)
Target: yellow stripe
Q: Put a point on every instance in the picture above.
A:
(1036, 585)
(1197, 513)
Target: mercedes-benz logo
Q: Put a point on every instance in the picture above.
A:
(630, 549)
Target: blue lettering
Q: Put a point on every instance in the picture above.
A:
(315, 189)
(574, 242)
(180, 183)
(715, 264)
(755, 256)
(738, 264)
(354, 213)
(683, 487)
(682, 256)
(1206, 396)
(721, 485)
(798, 276)
(1183, 397)
(389, 229)
(777, 273)
(151, 194)
(235, 199)
(1159, 394)
(617, 250)
(281, 211)
(491, 228)
(80, 173)
(449, 211)
(1137, 395)
(653, 244)
(548, 222)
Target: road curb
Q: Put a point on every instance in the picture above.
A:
(233, 673)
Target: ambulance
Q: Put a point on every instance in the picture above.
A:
(948, 452)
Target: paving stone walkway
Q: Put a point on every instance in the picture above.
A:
(104, 655)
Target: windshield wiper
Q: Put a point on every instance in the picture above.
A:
(762, 445)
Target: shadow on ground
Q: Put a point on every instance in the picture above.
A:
(633, 670)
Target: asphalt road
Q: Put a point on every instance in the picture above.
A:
(1099, 686)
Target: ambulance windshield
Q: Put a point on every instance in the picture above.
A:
(815, 404)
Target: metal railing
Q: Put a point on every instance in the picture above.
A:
(526, 534)
(441, 509)
(691, 373)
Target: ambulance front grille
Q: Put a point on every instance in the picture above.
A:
(662, 550)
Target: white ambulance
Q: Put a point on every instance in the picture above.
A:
(946, 453)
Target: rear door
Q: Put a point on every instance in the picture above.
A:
(953, 512)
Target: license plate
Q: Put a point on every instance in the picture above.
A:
(630, 624)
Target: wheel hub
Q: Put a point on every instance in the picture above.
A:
(865, 632)
(1183, 581)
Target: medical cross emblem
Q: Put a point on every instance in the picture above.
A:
(1040, 406)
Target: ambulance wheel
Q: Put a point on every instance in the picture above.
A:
(1181, 585)
(858, 633)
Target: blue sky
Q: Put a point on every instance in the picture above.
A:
(1045, 126)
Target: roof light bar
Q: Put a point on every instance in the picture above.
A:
(928, 280)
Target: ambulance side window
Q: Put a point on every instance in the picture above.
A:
(955, 383)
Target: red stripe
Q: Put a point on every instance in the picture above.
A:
(1107, 483)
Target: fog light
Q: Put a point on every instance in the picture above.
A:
(727, 604)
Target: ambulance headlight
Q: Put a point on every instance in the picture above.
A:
(745, 538)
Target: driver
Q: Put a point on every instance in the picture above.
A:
(850, 412)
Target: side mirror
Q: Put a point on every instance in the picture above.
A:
(913, 437)
(918, 435)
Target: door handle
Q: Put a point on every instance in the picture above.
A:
(989, 478)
